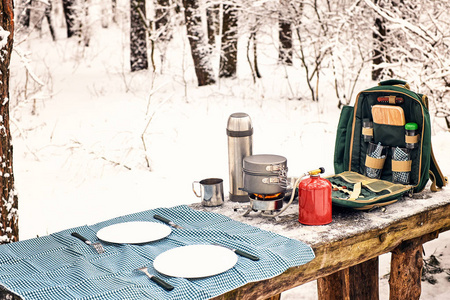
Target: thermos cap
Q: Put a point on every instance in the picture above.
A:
(239, 125)
(411, 126)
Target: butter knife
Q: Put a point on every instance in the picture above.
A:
(241, 253)
(157, 280)
(167, 221)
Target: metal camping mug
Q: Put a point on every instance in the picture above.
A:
(211, 191)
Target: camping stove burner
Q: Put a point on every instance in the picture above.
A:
(266, 197)
(265, 203)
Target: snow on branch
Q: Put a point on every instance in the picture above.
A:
(25, 61)
(417, 30)
(3, 37)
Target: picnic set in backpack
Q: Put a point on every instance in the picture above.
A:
(382, 151)
(383, 148)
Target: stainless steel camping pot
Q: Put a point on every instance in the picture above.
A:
(265, 174)
(240, 144)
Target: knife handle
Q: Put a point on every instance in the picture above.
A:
(247, 255)
(391, 100)
(161, 283)
(79, 236)
(162, 219)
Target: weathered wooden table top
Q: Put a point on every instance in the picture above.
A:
(346, 222)
(353, 237)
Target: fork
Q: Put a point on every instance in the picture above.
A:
(97, 246)
(157, 280)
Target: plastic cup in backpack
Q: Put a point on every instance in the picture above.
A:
(401, 165)
(367, 130)
(411, 135)
(375, 158)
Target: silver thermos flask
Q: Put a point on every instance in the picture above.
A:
(240, 145)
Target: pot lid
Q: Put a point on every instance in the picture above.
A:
(264, 163)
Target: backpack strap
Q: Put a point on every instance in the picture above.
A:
(438, 179)
(425, 100)
(436, 176)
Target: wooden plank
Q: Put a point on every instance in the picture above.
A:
(349, 251)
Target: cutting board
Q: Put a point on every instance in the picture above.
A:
(389, 115)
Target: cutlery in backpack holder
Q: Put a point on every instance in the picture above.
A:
(376, 159)
(351, 189)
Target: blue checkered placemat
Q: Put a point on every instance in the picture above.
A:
(60, 266)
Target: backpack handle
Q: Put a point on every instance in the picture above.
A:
(395, 82)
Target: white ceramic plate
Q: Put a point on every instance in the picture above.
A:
(133, 232)
(195, 261)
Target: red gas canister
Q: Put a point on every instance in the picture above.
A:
(314, 202)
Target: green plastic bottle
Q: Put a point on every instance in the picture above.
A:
(411, 135)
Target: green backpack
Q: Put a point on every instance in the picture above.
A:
(383, 148)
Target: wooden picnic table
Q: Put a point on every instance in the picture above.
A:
(347, 250)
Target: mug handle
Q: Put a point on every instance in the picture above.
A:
(193, 188)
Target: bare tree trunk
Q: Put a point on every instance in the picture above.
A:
(212, 21)
(199, 48)
(254, 68)
(9, 226)
(48, 16)
(379, 52)
(138, 36)
(255, 56)
(24, 16)
(162, 15)
(285, 38)
(114, 10)
(228, 57)
(285, 50)
(70, 15)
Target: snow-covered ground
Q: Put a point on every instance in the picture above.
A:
(79, 154)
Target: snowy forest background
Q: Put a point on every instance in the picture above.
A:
(333, 42)
(117, 106)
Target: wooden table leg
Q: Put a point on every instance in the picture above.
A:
(406, 268)
(364, 280)
(406, 271)
(357, 282)
(334, 286)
